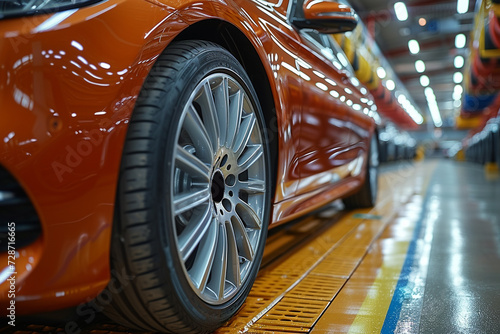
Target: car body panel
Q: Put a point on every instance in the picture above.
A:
(61, 122)
(67, 90)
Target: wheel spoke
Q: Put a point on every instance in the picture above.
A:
(243, 136)
(235, 112)
(253, 186)
(233, 259)
(194, 233)
(186, 201)
(191, 164)
(222, 107)
(196, 130)
(248, 215)
(242, 239)
(219, 148)
(209, 113)
(252, 154)
(218, 280)
(205, 257)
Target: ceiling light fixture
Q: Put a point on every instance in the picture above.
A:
(401, 11)
(459, 62)
(424, 81)
(429, 93)
(457, 92)
(462, 6)
(460, 41)
(413, 46)
(420, 66)
(412, 111)
(433, 107)
(422, 21)
(381, 72)
(390, 85)
(458, 77)
(435, 113)
(456, 96)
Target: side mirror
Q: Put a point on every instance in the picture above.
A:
(328, 17)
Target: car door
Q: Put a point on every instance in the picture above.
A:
(362, 107)
(328, 95)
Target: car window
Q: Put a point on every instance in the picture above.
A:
(340, 55)
(329, 48)
(317, 42)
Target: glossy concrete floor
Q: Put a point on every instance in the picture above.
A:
(462, 287)
(426, 259)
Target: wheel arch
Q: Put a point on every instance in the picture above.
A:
(232, 39)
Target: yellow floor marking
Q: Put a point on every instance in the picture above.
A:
(371, 316)
(294, 291)
(363, 303)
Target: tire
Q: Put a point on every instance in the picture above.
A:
(193, 201)
(367, 194)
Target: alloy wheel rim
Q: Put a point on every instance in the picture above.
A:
(218, 187)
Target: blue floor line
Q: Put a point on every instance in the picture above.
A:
(394, 311)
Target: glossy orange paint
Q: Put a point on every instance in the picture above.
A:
(67, 91)
(66, 96)
(314, 9)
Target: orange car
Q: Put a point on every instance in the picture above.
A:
(148, 144)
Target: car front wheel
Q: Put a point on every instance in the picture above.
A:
(193, 200)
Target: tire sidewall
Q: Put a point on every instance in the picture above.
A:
(210, 61)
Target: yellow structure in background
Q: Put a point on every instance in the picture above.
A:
(460, 155)
(491, 167)
(360, 56)
(462, 123)
(420, 155)
(481, 75)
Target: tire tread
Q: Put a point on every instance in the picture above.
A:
(363, 198)
(144, 304)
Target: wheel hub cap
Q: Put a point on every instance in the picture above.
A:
(217, 187)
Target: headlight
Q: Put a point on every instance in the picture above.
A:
(10, 8)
